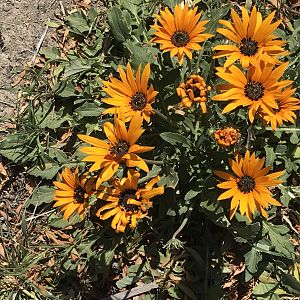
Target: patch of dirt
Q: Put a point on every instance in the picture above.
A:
(22, 23)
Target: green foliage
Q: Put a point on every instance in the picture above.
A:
(186, 244)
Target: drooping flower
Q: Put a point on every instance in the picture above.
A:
(249, 186)
(127, 202)
(130, 96)
(253, 39)
(180, 33)
(287, 104)
(194, 90)
(73, 193)
(258, 89)
(121, 147)
(227, 136)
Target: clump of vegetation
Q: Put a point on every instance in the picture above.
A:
(131, 151)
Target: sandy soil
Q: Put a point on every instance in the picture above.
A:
(22, 23)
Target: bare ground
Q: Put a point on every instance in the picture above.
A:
(22, 23)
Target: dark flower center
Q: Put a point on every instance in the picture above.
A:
(196, 91)
(180, 38)
(124, 196)
(246, 184)
(120, 148)
(248, 47)
(138, 101)
(79, 195)
(254, 90)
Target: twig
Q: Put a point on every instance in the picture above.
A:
(132, 292)
(287, 220)
(249, 136)
(165, 118)
(182, 225)
(7, 103)
(62, 8)
(154, 162)
(40, 215)
(39, 44)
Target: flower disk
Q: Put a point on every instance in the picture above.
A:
(253, 39)
(130, 96)
(120, 147)
(127, 202)
(248, 187)
(73, 193)
(180, 33)
(258, 89)
(194, 90)
(227, 137)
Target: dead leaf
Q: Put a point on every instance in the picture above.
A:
(51, 237)
(65, 136)
(2, 252)
(19, 78)
(83, 3)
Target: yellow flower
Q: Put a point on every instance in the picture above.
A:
(121, 147)
(258, 89)
(127, 202)
(180, 33)
(227, 136)
(285, 112)
(130, 96)
(253, 39)
(73, 193)
(194, 90)
(249, 187)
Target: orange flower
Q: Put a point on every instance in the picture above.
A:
(287, 104)
(130, 96)
(121, 147)
(127, 202)
(258, 89)
(194, 90)
(253, 39)
(180, 33)
(73, 193)
(227, 136)
(249, 187)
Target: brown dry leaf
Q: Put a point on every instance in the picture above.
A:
(83, 3)
(19, 78)
(229, 284)
(65, 136)
(50, 236)
(2, 252)
(175, 278)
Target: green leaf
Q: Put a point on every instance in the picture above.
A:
(118, 23)
(77, 21)
(252, 258)
(141, 54)
(264, 291)
(43, 194)
(77, 66)
(133, 6)
(125, 281)
(214, 16)
(280, 239)
(13, 147)
(175, 139)
(88, 109)
(51, 53)
(170, 178)
(294, 139)
(191, 194)
(290, 283)
(270, 155)
(58, 221)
